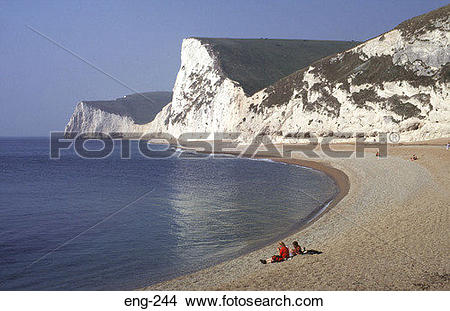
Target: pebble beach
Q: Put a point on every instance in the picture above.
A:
(386, 230)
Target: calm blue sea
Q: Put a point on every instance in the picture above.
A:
(196, 212)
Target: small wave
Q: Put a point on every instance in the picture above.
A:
(281, 162)
(320, 211)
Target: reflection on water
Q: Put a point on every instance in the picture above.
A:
(201, 211)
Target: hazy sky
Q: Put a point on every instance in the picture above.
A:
(138, 42)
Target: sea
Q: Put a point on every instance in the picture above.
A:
(118, 223)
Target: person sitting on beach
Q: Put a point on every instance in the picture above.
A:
(414, 157)
(284, 254)
(296, 250)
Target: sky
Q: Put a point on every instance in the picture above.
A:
(138, 43)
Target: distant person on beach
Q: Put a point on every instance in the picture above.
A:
(284, 254)
(414, 157)
(296, 249)
(448, 146)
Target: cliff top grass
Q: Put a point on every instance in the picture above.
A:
(141, 107)
(258, 63)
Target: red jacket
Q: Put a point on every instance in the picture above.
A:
(284, 252)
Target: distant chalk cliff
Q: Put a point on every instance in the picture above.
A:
(127, 114)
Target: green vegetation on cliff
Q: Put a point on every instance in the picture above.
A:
(258, 63)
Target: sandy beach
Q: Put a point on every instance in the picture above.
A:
(386, 230)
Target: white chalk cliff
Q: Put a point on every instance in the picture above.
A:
(128, 114)
(204, 99)
(396, 82)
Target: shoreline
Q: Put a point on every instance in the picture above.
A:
(389, 232)
(338, 176)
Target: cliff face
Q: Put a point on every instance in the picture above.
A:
(128, 114)
(396, 82)
(204, 99)
(291, 89)
(218, 76)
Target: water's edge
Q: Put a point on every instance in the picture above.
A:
(339, 178)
